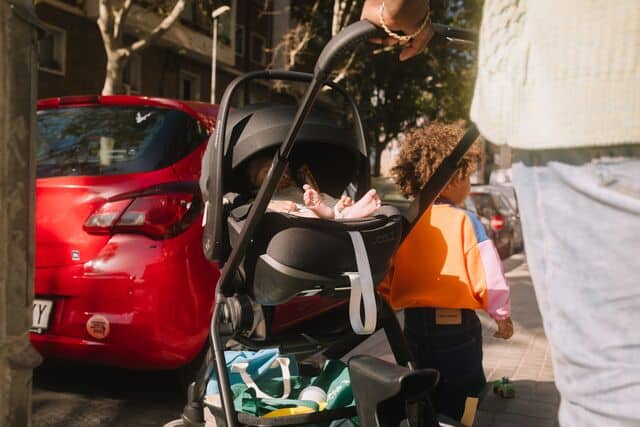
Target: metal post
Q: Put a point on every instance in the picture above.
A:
(214, 49)
(18, 88)
(215, 15)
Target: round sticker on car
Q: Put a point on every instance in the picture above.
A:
(98, 326)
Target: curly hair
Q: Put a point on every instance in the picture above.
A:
(424, 148)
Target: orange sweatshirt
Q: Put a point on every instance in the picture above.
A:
(448, 261)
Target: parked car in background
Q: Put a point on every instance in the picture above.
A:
(489, 202)
(120, 276)
(500, 218)
(509, 193)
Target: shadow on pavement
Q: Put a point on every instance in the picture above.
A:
(535, 404)
(66, 394)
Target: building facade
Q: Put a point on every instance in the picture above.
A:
(73, 61)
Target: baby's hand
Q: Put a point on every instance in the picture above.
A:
(505, 329)
(311, 197)
(283, 206)
(344, 202)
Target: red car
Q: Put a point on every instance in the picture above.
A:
(120, 275)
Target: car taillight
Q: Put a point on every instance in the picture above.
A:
(497, 222)
(102, 220)
(158, 216)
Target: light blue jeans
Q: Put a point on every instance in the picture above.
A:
(581, 223)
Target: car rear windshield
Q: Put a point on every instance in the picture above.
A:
(110, 140)
(484, 204)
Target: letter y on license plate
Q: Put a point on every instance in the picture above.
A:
(41, 313)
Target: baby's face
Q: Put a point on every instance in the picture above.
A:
(259, 169)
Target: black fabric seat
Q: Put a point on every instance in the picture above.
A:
(290, 255)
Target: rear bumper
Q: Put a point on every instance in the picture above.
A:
(156, 295)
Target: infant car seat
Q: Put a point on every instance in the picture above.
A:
(291, 255)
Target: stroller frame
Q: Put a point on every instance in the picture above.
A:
(346, 40)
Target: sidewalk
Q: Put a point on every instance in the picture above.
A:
(524, 359)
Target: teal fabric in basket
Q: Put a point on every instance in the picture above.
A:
(259, 367)
(334, 380)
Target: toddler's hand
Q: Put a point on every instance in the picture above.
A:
(505, 329)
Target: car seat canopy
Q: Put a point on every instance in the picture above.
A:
(331, 151)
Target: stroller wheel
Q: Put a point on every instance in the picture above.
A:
(175, 423)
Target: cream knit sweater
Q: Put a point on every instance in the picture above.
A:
(559, 73)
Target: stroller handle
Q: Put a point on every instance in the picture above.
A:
(344, 42)
(351, 36)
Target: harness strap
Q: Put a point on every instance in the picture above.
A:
(362, 290)
(282, 362)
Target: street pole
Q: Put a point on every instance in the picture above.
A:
(18, 90)
(215, 15)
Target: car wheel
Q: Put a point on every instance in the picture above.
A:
(188, 372)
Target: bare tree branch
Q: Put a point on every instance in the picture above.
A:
(346, 18)
(162, 28)
(344, 71)
(295, 41)
(120, 18)
(105, 23)
(335, 21)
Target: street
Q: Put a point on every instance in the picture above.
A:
(72, 395)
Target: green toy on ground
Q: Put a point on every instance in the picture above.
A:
(504, 388)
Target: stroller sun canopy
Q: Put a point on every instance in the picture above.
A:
(334, 153)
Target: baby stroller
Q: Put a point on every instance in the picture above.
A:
(270, 258)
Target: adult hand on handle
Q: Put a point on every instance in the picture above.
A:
(406, 16)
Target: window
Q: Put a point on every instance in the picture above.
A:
(132, 75)
(189, 12)
(196, 15)
(503, 204)
(240, 41)
(257, 48)
(52, 50)
(227, 33)
(189, 86)
(484, 204)
(110, 140)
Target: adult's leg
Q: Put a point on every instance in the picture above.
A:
(581, 226)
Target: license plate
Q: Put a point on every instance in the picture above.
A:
(41, 313)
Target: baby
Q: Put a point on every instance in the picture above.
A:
(308, 202)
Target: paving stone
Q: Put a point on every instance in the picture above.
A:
(483, 419)
(510, 420)
(525, 359)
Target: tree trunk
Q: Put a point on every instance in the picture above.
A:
(110, 21)
(18, 73)
(113, 80)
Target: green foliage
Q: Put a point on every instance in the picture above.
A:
(392, 94)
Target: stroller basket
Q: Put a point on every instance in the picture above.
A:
(302, 419)
(271, 271)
